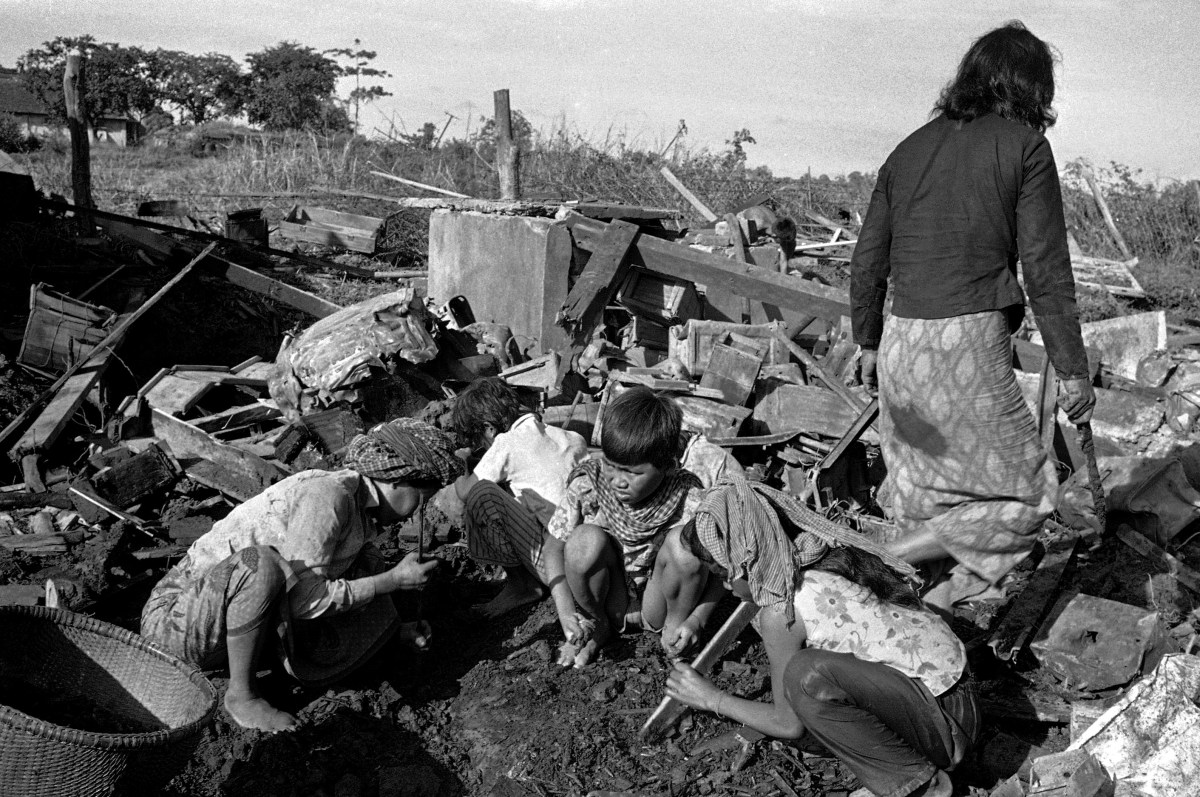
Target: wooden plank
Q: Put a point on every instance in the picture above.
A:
(274, 289)
(852, 434)
(332, 228)
(50, 423)
(719, 273)
(733, 372)
(692, 199)
(595, 286)
(177, 394)
(422, 186)
(246, 474)
(27, 500)
(815, 368)
(1027, 609)
(804, 408)
(237, 416)
(669, 711)
(128, 482)
(1181, 572)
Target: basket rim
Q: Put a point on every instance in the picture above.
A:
(40, 728)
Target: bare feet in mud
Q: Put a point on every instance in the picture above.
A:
(582, 652)
(514, 595)
(254, 713)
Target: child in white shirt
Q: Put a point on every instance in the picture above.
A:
(514, 490)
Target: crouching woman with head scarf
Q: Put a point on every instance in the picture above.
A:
(296, 568)
(856, 660)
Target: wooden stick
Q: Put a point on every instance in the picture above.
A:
(692, 199)
(827, 244)
(815, 366)
(422, 186)
(106, 345)
(1104, 211)
(670, 710)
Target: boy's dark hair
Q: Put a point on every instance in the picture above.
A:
(1008, 72)
(868, 570)
(642, 426)
(489, 400)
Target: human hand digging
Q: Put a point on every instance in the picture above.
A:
(679, 640)
(869, 363)
(691, 688)
(1077, 398)
(410, 573)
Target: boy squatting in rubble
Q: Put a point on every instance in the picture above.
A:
(520, 481)
(616, 533)
(856, 660)
(507, 527)
(302, 549)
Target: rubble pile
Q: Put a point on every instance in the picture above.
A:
(1094, 641)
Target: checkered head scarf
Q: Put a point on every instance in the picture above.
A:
(405, 450)
(767, 537)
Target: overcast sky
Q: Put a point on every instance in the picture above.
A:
(830, 86)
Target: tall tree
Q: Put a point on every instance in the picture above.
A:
(119, 79)
(292, 87)
(359, 67)
(199, 87)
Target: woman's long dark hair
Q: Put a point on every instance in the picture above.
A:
(868, 570)
(1008, 72)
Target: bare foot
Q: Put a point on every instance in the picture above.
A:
(514, 595)
(251, 711)
(591, 648)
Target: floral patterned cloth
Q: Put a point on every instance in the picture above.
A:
(962, 451)
(843, 617)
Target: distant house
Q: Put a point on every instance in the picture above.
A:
(35, 117)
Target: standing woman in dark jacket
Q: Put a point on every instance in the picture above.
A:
(956, 204)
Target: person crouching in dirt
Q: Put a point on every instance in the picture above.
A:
(856, 659)
(299, 558)
(514, 490)
(616, 535)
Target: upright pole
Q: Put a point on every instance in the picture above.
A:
(508, 155)
(74, 94)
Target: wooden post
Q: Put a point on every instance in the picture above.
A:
(1104, 211)
(508, 154)
(74, 93)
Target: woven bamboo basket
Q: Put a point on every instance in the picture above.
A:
(107, 677)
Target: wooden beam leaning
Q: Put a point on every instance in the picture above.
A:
(274, 289)
(1021, 619)
(692, 199)
(600, 279)
(720, 273)
(103, 346)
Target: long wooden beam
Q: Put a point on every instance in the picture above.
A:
(720, 273)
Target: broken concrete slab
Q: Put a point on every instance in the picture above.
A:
(1151, 738)
(1095, 644)
(1125, 340)
(1156, 492)
(515, 269)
